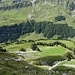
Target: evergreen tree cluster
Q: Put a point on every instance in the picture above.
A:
(13, 32)
(2, 50)
(47, 28)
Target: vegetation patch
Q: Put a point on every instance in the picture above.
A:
(49, 29)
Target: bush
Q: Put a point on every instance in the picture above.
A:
(33, 46)
(2, 50)
(59, 18)
(37, 49)
(22, 49)
(69, 56)
(31, 41)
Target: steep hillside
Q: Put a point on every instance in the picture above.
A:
(39, 10)
(16, 18)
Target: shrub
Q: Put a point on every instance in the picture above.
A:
(37, 49)
(30, 40)
(22, 49)
(69, 56)
(59, 18)
(2, 50)
(33, 46)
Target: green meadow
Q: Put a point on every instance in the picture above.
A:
(44, 50)
(17, 47)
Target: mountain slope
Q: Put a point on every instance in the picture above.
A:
(19, 17)
(39, 10)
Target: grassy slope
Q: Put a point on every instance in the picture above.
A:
(68, 62)
(53, 50)
(9, 18)
(17, 47)
(32, 36)
(19, 15)
(50, 51)
(46, 50)
(11, 67)
(7, 55)
(42, 12)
